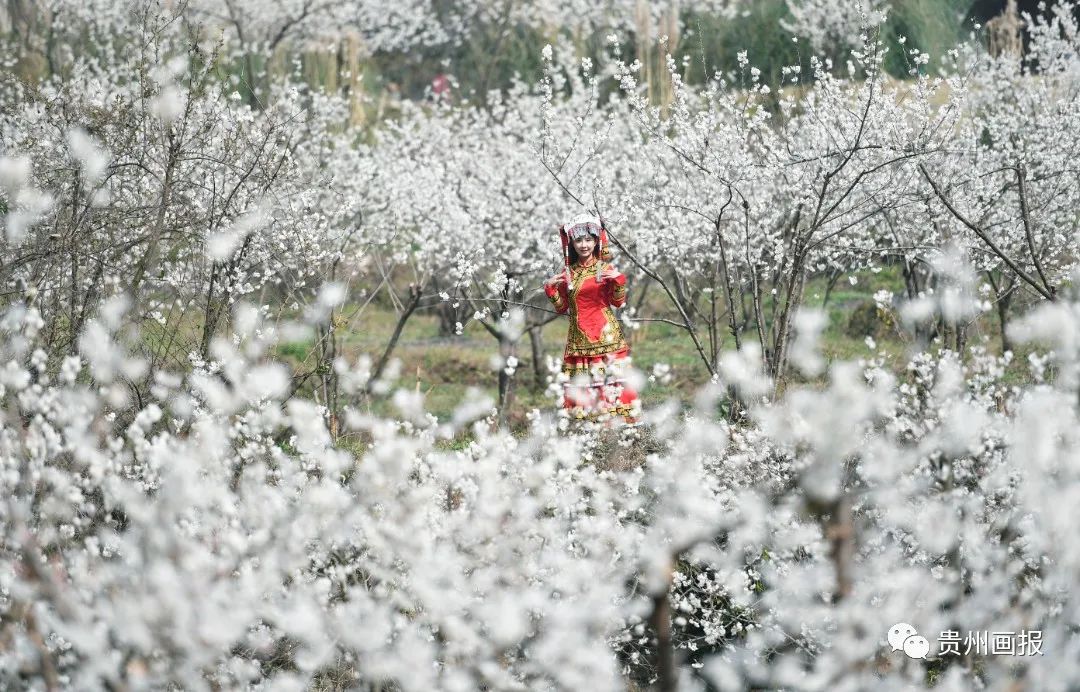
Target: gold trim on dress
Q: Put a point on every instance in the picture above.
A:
(578, 342)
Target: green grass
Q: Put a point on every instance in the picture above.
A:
(444, 368)
(299, 350)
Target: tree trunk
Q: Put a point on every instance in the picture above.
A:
(536, 342)
(841, 534)
(507, 349)
(729, 292)
(660, 619)
(1002, 300)
(795, 283)
(414, 300)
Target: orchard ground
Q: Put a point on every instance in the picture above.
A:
(445, 367)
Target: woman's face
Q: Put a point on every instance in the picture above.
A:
(584, 245)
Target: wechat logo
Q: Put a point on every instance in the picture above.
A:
(904, 637)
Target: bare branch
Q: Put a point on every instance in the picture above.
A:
(1021, 175)
(1028, 279)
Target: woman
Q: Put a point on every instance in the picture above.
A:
(596, 351)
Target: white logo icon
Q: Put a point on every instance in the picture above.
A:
(916, 646)
(904, 637)
(898, 633)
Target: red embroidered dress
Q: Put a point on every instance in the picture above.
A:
(594, 340)
(594, 336)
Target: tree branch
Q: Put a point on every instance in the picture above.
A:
(1021, 180)
(1028, 279)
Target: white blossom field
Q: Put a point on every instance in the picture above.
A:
(242, 241)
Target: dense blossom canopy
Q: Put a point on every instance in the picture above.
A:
(182, 505)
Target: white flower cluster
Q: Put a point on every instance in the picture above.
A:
(940, 498)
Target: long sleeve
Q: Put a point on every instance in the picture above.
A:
(558, 296)
(615, 290)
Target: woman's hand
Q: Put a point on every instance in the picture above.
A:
(609, 274)
(559, 278)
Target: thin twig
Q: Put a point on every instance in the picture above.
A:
(1028, 279)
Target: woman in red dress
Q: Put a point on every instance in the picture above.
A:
(596, 353)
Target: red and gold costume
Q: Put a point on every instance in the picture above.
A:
(595, 346)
